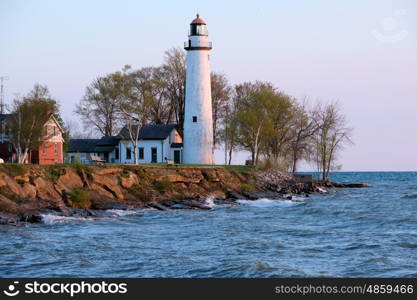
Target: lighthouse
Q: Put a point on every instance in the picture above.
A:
(198, 119)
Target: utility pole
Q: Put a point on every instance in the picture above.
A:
(2, 79)
(2, 122)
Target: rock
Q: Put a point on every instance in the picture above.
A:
(158, 206)
(68, 182)
(180, 206)
(107, 171)
(218, 195)
(7, 205)
(234, 195)
(211, 175)
(10, 184)
(102, 202)
(109, 183)
(195, 204)
(31, 217)
(22, 178)
(29, 191)
(8, 219)
(128, 181)
(46, 191)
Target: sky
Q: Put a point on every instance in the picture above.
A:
(362, 54)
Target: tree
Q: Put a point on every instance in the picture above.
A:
(253, 122)
(330, 137)
(150, 82)
(27, 119)
(220, 95)
(304, 127)
(137, 103)
(173, 75)
(99, 106)
(280, 114)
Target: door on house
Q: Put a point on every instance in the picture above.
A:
(177, 156)
(154, 153)
(106, 156)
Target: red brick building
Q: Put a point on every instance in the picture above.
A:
(50, 150)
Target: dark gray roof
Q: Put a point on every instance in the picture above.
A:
(108, 141)
(150, 132)
(3, 117)
(82, 145)
(176, 145)
(107, 144)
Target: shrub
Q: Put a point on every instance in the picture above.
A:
(247, 187)
(79, 168)
(80, 198)
(53, 173)
(162, 186)
(141, 192)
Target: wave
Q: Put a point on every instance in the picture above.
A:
(53, 219)
(264, 202)
(410, 196)
(121, 213)
(210, 202)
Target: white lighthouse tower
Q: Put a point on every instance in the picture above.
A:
(198, 119)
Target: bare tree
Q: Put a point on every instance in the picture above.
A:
(150, 81)
(220, 95)
(135, 105)
(304, 126)
(99, 106)
(330, 137)
(174, 77)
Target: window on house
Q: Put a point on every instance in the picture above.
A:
(54, 130)
(194, 119)
(44, 148)
(56, 148)
(116, 154)
(141, 152)
(128, 153)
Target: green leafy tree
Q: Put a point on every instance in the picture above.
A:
(27, 119)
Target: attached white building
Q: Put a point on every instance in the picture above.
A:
(157, 143)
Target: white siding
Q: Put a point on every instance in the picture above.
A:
(198, 136)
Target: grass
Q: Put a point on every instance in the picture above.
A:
(247, 187)
(80, 198)
(79, 168)
(13, 169)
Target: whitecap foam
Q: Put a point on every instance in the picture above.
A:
(53, 219)
(121, 212)
(210, 202)
(264, 202)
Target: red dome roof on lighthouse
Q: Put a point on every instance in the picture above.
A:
(198, 20)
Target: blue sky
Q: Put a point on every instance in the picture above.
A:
(360, 53)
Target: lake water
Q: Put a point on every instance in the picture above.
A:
(366, 232)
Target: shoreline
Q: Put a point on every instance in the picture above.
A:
(27, 191)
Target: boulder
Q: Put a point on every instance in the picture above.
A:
(109, 184)
(68, 182)
(218, 195)
(45, 191)
(8, 206)
(10, 184)
(128, 181)
(29, 191)
(107, 170)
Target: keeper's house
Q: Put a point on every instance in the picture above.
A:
(157, 143)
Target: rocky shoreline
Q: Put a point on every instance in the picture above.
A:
(29, 192)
